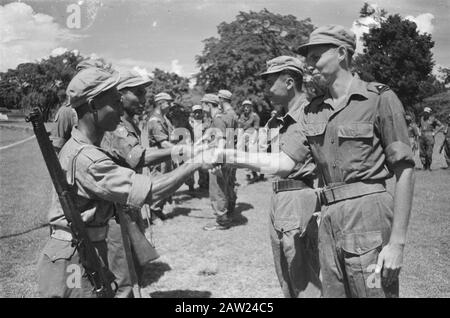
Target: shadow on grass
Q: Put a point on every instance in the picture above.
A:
(238, 218)
(180, 293)
(153, 272)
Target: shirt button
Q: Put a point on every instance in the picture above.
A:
(334, 164)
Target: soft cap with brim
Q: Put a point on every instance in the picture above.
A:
(133, 79)
(89, 83)
(330, 34)
(282, 63)
(93, 62)
(223, 93)
(196, 107)
(162, 96)
(210, 98)
(427, 110)
(247, 102)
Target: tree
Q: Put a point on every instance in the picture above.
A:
(171, 83)
(38, 84)
(234, 60)
(368, 10)
(397, 55)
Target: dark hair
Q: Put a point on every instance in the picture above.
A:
(296, 76)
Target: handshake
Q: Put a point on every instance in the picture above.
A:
(208, 156)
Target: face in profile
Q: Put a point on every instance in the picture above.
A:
(324, 58)
(109, 109)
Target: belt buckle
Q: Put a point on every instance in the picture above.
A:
(275, 186)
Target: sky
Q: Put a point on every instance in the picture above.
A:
(168, 34)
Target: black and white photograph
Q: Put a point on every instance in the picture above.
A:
(210, 149)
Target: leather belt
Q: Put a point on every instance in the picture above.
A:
(96, 234)
(344, 191)
(289, 185)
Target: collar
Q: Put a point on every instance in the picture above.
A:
(130, 126)
(295, 112)
(79, 137)
(357, 87)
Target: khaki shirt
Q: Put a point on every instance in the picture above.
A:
(290, 144)
(362, 138)
(158, 130)
(252, 121)
(99, 183)
(428, 126)
(65, 119)
(124, 144)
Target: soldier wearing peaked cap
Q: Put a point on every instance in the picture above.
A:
(225, 102)
(294, 203)
(429, 127)
(358, 137)
(124, 145)
(99, 183)
(222, 184)
(158, 127)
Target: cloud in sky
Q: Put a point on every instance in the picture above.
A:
(26, 36)
(176, 67)
(362, 25)
(424, 22)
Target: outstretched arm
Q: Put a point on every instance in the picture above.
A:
(279, 164)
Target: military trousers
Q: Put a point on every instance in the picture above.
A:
(61, 274)
(426, 144)
(293, 236)
(222, 194)
(447, 151)
(351, 235)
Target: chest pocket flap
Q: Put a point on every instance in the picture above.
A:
(356, 130)
(315, 129)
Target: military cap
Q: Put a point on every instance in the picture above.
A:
(89, 83)
(196, 107)
(247, 102)
(427, 110)
(282, 63)
(223, 93)
(92, 62)
(330, 34)
(133, 79)
(162, 96)
(210, 98)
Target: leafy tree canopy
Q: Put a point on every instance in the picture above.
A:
(234, 59)
(397, 55)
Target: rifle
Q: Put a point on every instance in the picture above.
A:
(95, 268)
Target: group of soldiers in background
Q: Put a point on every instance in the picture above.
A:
(422, 137)
(331, 217)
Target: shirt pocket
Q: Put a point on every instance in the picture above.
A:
(315, 129)
(355, 145)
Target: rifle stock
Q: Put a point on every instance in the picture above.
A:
(93, 264)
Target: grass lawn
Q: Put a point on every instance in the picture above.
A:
(195, 263)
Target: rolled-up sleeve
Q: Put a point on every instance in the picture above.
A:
(124, 146)
(114, 183)
(294, 143)
(393, 129)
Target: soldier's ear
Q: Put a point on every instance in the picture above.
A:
(289, 82)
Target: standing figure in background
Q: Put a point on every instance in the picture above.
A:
(158, 135)
(413, 133)
(429, 127)
(249, 121)
(222, 183)
(446, 143)
(199, 125)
